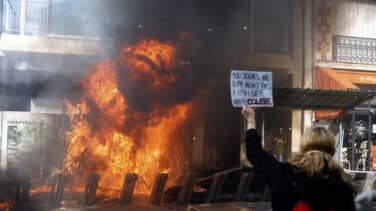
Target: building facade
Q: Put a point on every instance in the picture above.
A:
(51, 42)
(281, 127)
(44, 46)
(345, 59)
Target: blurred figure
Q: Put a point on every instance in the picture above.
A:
(364, 201)
(361, 130)
(362, 146)
(311, 181)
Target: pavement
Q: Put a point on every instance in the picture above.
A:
(233, 206)
(194, 207)
(42, 202)
(139, 203)
(122, 208)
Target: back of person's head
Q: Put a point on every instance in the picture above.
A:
(316, 153)
(318, 139)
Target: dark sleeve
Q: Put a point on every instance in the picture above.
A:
(347, 199)
(264, 163)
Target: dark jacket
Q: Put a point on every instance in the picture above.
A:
(289, 184)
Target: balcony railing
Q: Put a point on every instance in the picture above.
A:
(25, 16)
(354, 50)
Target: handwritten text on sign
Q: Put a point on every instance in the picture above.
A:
(251, 88)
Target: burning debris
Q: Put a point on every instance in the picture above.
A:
(124, 124)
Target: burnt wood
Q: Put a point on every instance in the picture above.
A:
(128, 188)
(187, 188)
(158, 188)
(90, 189)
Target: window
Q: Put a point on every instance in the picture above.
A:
(25, 16)
(271, 30)
(69, 17)
(240, 26)
(36, 16)
(224, 25)
(62, 17)
(12, 16)
(358, 140)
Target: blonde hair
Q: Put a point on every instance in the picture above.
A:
(316, 153)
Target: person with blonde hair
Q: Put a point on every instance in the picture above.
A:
(311, 180)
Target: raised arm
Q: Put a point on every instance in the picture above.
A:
(263, 161)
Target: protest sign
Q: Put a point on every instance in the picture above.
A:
(253, 88)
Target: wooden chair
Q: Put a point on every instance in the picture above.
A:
(128, 188)
(90, 191)
(158, 188)
(216, 187)
(187, 188)
(243, 186)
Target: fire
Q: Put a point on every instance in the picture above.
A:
(149, 59)
(110, 136)
(101, 87)
(7, 205)
(40, 189)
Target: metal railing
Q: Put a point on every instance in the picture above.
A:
(354, 50)
(26, 16)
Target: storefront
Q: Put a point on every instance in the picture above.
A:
(288, 99)
(32, 144)
(355, 128)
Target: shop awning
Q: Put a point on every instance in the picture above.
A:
(318, 99)
(336, 79)
(345, 80)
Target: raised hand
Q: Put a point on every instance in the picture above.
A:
(248, 113)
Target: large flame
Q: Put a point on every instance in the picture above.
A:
(153, 59)
(112, 138)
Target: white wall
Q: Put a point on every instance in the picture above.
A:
(356, 19)
(55, 45)
(47, 105)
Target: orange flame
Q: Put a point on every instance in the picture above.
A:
(6, 205)
(40, 189)
(104, 138)
(151, 58)
(101, 87)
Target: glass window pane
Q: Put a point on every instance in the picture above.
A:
(12, 9)
(271, 26)
(71, 17)
(35, 16)
(356, 147)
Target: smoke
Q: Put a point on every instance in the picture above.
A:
(84, 32)
(53, 59)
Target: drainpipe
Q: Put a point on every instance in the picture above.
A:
(1, 16)
(303, 60)
(314, 20)
(313, 31)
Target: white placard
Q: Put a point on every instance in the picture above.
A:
(253, 88)
(374, 128)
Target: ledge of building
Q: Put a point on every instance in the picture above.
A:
(51, 44)
(346, 66)
(269, 60)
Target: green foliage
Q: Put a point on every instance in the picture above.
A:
(38, 132)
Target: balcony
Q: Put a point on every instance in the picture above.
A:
(354, 50)
(25, 17)
(30, 26)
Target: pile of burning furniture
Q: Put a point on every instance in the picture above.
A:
(210, 189)
(180, 195)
